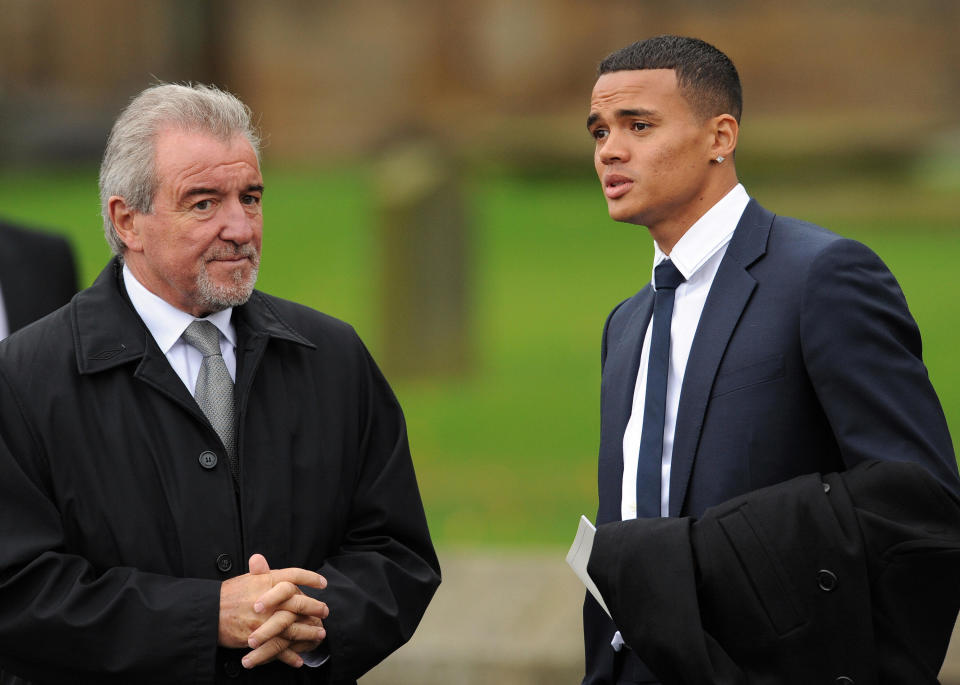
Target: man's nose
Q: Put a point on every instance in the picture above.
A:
(237, 222)
(613, 149)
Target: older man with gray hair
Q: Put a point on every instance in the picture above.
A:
(198, 481)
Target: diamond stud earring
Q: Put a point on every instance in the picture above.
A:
(720, 159)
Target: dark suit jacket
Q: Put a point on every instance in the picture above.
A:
(37, 274)
(806, 360)
(850, 576)
(119, 519)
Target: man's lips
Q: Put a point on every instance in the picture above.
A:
(615, 186)
(232, 255)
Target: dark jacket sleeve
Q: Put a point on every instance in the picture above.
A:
(62, 619)
(852, 574)
(862, 351)
(386, 570)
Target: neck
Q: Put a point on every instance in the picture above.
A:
(668, 232)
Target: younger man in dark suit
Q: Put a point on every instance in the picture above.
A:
(764, 348)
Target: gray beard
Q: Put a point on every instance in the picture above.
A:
(216, 297)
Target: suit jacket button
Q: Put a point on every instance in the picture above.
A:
(232, 668)
(827, 581)
(208, 459)
(224, 563)
(844, 680)
(826, 487)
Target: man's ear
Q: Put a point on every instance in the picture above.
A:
(123, 218)
(725, 132)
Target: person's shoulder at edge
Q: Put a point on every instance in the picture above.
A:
(31, 237)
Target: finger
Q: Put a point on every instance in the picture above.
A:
(304, 632)
(268, 651)
(303, 647)
(305, 605)
(273, 626)
(298, 576)
(258, 564)
(275, 596)
(291, 658)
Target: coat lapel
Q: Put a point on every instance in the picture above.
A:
(257, 322)
(621, 363)
(109, 333)
(729, 295)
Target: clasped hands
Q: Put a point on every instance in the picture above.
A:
(266, 611)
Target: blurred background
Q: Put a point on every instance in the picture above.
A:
(429, 179)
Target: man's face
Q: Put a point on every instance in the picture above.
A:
(200, 247)
(652, 152)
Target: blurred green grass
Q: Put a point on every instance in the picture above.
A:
(506, 454)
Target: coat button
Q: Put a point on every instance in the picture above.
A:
(232, 668)
(826, 487)
(208, 459)
(224, 563)
(827, 581)
(844, 680)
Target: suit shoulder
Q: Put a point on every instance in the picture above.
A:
(41, 342)
(33, 240)
(800, 241)
(800, 235)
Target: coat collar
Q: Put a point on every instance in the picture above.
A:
(109, 333)
(731, 290)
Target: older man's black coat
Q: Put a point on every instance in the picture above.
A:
(118, 528)
(852, 577)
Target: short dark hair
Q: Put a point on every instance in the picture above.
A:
(705, 76)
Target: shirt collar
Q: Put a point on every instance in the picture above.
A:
(708, 234)
(165, 322)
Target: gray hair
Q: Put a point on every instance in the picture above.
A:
(128, 169)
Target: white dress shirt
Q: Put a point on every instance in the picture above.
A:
(166, 324)
(697, 256)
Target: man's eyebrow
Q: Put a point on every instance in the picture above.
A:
(625, 113)
(201, 191)
(252, 188)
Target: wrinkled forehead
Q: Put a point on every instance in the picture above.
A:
(186, 158)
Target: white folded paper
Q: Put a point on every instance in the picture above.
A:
(579, 555)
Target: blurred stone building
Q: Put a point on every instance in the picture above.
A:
(337, 78)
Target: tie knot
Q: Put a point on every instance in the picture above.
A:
(667, 276)
(204, 336)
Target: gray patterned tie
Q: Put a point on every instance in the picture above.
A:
(214, 391)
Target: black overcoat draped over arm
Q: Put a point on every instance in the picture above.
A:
(119, 517)
(851, 575)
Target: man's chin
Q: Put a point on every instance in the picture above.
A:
(228, 291)
(624, 215)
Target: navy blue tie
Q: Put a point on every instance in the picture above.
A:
(666, 279)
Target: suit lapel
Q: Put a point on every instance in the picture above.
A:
(731, 290)
(619, 380)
